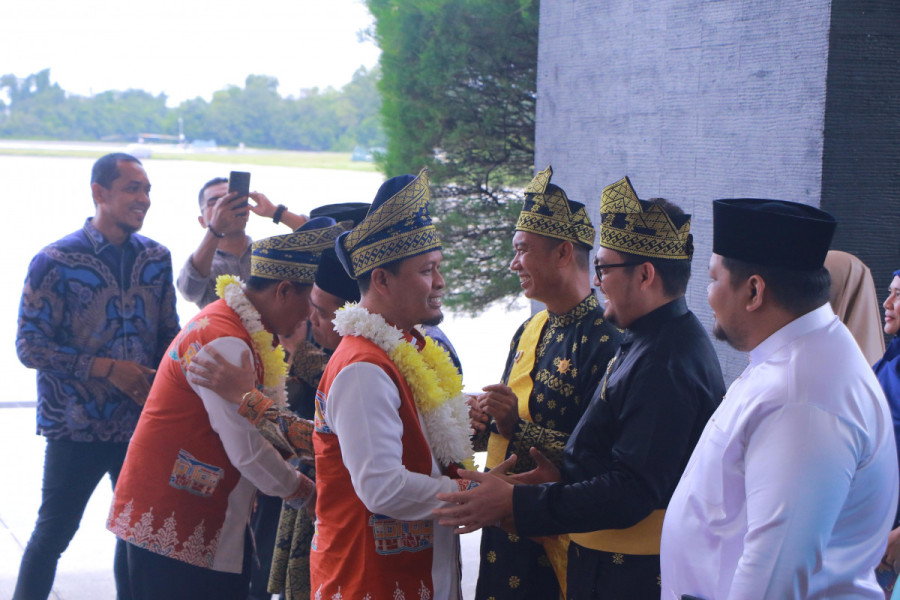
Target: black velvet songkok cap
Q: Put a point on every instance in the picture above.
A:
(342, 211)
(775, 233)
(331, 276)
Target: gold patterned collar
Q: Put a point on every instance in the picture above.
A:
(576, 314)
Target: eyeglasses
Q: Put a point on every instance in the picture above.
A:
(598, 269)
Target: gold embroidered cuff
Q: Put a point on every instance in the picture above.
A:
(254, 406)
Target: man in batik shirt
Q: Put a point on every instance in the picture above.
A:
(97, 313)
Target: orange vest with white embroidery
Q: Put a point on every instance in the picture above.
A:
(173, 491)
(358, 554)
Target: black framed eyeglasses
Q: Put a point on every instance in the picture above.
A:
(598, 269)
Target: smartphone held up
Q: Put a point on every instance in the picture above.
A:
(239, 181)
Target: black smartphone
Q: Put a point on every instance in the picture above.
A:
(239, 181)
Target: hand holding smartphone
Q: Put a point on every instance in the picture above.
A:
(239, 181)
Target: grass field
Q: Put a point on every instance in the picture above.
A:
(278, 158)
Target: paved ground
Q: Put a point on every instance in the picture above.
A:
(85, 569)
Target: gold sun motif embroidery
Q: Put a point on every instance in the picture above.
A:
(563, 366)
(618, 558)
(514, 582)
(491, 556)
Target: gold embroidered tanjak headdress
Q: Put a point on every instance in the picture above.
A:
(634, 226)
(294, 256)
(397, 226)
(547, 211)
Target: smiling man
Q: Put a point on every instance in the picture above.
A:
(97, 313)
(556, 359)
(623, 459)
(390, 419)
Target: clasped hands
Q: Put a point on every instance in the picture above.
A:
(491, 502)
(498, 402)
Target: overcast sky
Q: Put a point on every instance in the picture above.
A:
(185, 48)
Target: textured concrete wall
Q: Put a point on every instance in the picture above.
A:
(693, 100)
(861, 158)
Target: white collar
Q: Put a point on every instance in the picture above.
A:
(814, 319)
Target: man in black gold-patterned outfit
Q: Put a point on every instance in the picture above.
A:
(624, 458)
(556, 359)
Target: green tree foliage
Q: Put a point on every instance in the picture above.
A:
(255, 115)
(458, 96)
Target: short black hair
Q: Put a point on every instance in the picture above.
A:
(106, 169)
(797, 291)
(259, 284)
(674, 273)
(365, 281)
(210, 183)
(581, 252)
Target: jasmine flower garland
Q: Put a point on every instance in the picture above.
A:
(435, 383)
(231, 289)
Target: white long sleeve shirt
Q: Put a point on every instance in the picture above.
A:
(256, 459)
(792, 488)
(363, 411)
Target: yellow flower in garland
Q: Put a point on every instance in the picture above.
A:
(274, 365)
(435, 383)
(272, 357)
(223, 281)
(431, 385)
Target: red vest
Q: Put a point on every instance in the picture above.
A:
(173, 491)
(355, 552)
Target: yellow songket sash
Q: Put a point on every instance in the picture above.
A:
(640, 539)
(521, 383)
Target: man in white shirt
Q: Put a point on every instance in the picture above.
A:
(791, 490)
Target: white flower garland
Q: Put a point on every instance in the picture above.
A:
(231, 290)
(445, 416)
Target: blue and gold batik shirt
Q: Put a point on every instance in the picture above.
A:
(86, 298)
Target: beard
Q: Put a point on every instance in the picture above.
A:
(434, 321)
(720, 334)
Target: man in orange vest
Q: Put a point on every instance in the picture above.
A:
(391, 421)
(183, 499)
